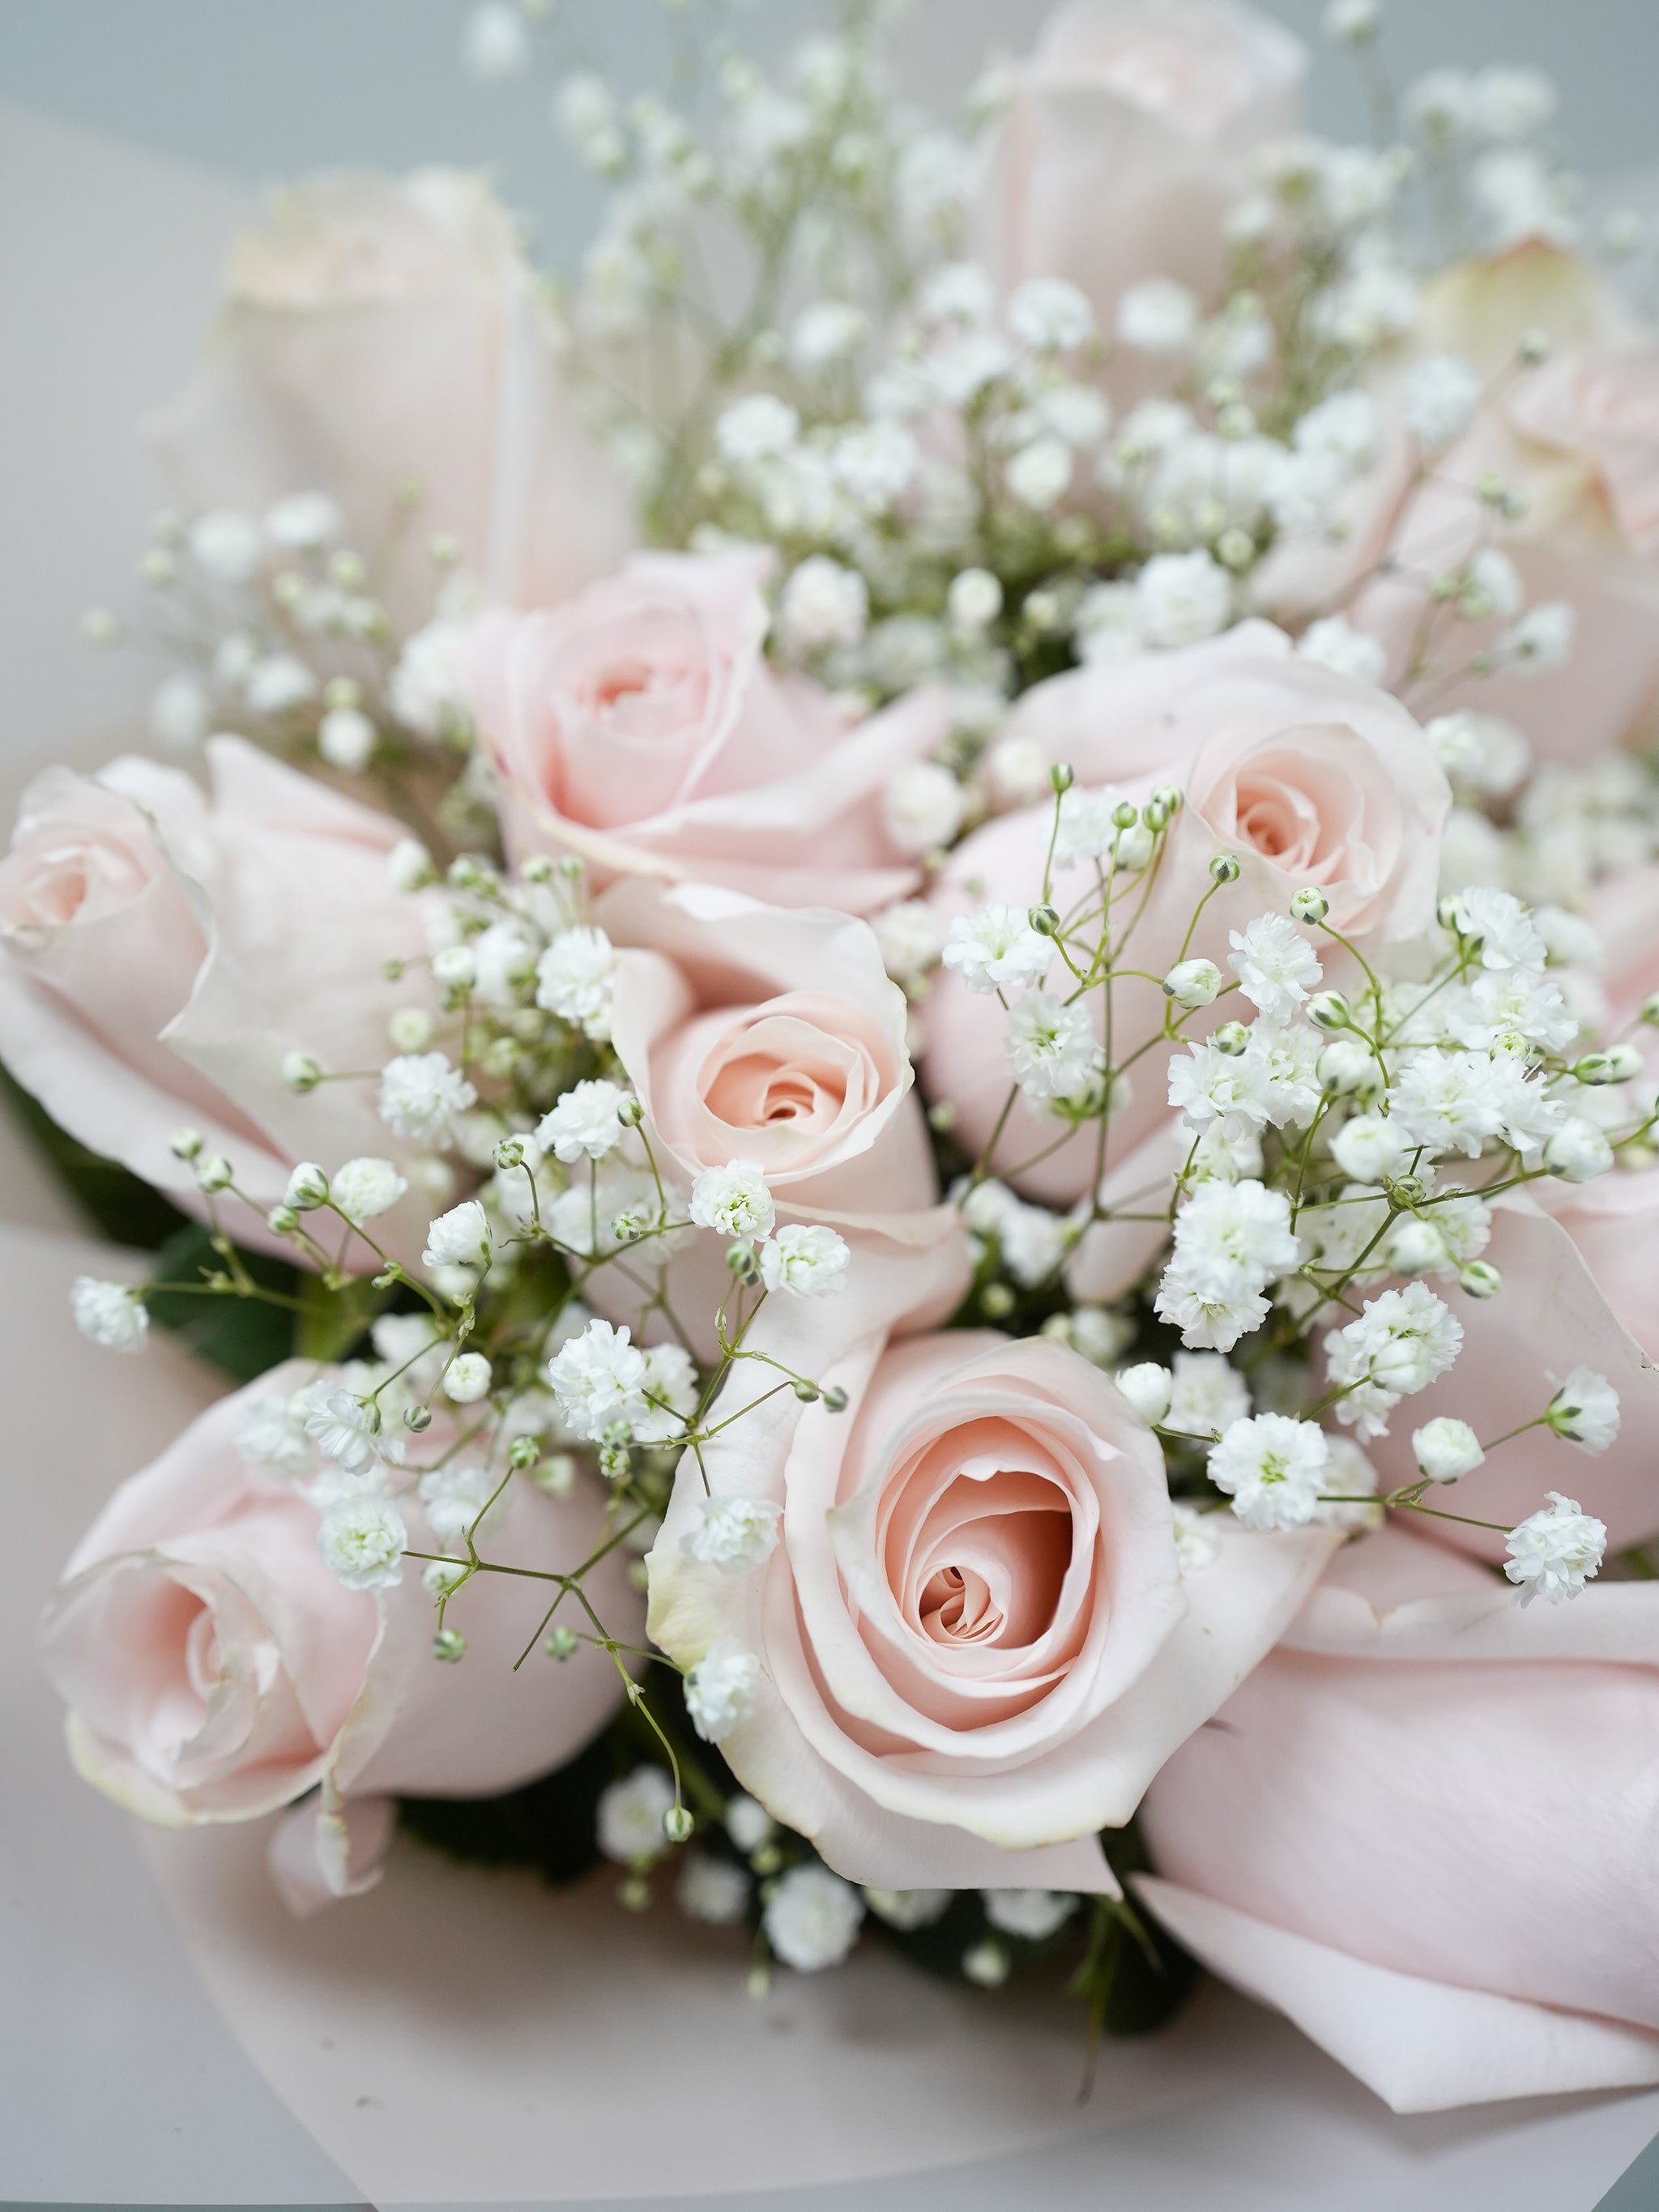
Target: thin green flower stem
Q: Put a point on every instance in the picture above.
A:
(220, 1289)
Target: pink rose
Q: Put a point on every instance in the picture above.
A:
(774, 1035)
(1125, 141)
(377, 329)
(216, 1668)
(1624, 911)
(1425, 1830)
(161, 954)
(1579, 438)
(976, 1644)
(639, 726)
(1577, 1290)
(1308, 777)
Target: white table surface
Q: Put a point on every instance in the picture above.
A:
(119, 2080)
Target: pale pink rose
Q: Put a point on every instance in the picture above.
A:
(976, 1644)
(1579, 439)
(215, 1669)
(1425, 1830)
(1577, 1290)
(639, 727)
(1308, 777)
(1126, 141)
(376, 330)
(1624, 911)
(774, 1035)
(161, 953)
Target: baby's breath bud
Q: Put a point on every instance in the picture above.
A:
(557, 1474)
(1168, 798)
(634, 1895)
(1595, 1069)
(562, 1642)
(1155, 814)
(1329, 1010)
(1480, 1279)
(282, 1221)
(1060, 776)
(613, 1461)
(509, 1154)
(449, 1644)
(212, 1172)
(410, 1028)
(987, 1964)
(468, 873)
(942, 1116)
(997, 1300)
(1232, 1038)
(538, 869)
(740, 1259)
(630, 1113)
(1309, 904)
(1650, 1011)
(1125, 814)
(1044, 919)
(677, 1824)
(1235, 548)
(570, 868)
(807, 1392)
(1224, 869)
(1533, 348)
(185, 1143)
(418, 1419)
(301, 1072)
(834, 1398)
(522, 1454)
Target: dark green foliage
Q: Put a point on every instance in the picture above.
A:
(117, 1203)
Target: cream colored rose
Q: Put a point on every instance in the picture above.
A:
(976, 1645)
(376, 330)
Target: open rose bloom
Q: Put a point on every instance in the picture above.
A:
(905, 1008)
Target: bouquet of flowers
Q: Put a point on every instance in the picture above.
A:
(882, 978)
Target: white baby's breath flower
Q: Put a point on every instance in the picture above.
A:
(669, 1390)
(721, 1690)
(1050, 315)
(365, 1188)
(600, 1380)
(630, 1814)
(824, 604)
(1158, 316)
(421, 1095)
(1585, 1411)
(1578, 1152)
(907, 1909)
(272, 1433)
(1207, 1394)
(1542, 641)
(227, 545)
(1275, 965)
(111, 1313)
(1147, 1386)
(362, 1539)
(1402, 1341)
(1336, 644)
(454, 1499)
(1040, 473)
(459, 1238)
(1181, 599)
(1446, 1448)
(735, 1533)
(923, 807)
(1272, 1468)
(806, 1259)
(997, 949)
(1033, 1915)
(733, 1199)
(1192, 983)
(712, 1890)
(1051, 1046)
(911, 936)
(584, 1124)
(1197, 1541)
(812, 1919)
(467, 1378)
(758, 428)
(1555, 1551)
(575, 978)
(1443, 393)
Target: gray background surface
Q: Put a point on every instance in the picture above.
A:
(117, 2079)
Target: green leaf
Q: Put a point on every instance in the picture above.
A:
(330, 1321)
(119, 1204)
(242, 1336)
